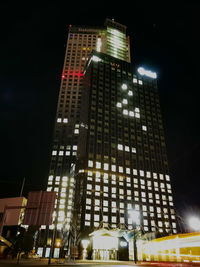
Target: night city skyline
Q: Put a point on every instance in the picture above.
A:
(32, 52)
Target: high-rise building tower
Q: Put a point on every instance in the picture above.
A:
(108, 153)
(122, 159)
(110, 39)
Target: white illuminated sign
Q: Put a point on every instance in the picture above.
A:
(147, 73)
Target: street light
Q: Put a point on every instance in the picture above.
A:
(194, 223)
(135, 216)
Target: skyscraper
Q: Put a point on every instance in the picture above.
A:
(110, 39)
(121, 150)
(109, 153)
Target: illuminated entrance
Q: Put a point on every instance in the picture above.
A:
(105, 244)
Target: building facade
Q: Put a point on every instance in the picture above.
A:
(108, 154)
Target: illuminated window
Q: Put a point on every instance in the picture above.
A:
(65, 178)
(134, 80)
(129, 192)
(54, 153)
(105, 189)
(119, 105)
(168, 186)
(155, 184)
(161, 176)
(105, 218)
(106, 166)
(141, 173)
(144, 128)
(74, 147)
(97, 202)
(59, 120)
(125, 101)
(113, 189)
(140, 82)
(63, 190)
(76, 131)
(98, 174)
(67, 153)
(127, 149)
(148, 174)
(124, 86)
(114, 219)
(113, 168)
(130, 93)
(89, 173)
(143, 195)
(87, 216)
(125, 111)
(120, 169)
(105, 175)
(51, 178)
(120, 147)
(65, 120)
(142, 181)
(90, 163)
(57, 178)
(88, 201)
(89, 187)
(113, 204)
(137, 115)
(98, 165)
(96, 217)
(174, 225)
(134, 172)
(129, 207)
(61, 153)
(121, 220)
(136, 193)
(131, 113)
(105, 203)
(155, 175)
(133, 150)
(97, 187)
(64, 184)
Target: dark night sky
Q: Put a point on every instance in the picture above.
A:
(165, 39)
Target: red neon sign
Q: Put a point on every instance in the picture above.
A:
(73, 73)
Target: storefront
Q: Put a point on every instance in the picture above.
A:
(106, 244)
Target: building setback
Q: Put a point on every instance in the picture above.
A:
(108, 152)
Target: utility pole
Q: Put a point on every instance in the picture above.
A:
(22, 188)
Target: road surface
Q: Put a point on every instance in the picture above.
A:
(62, 263)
